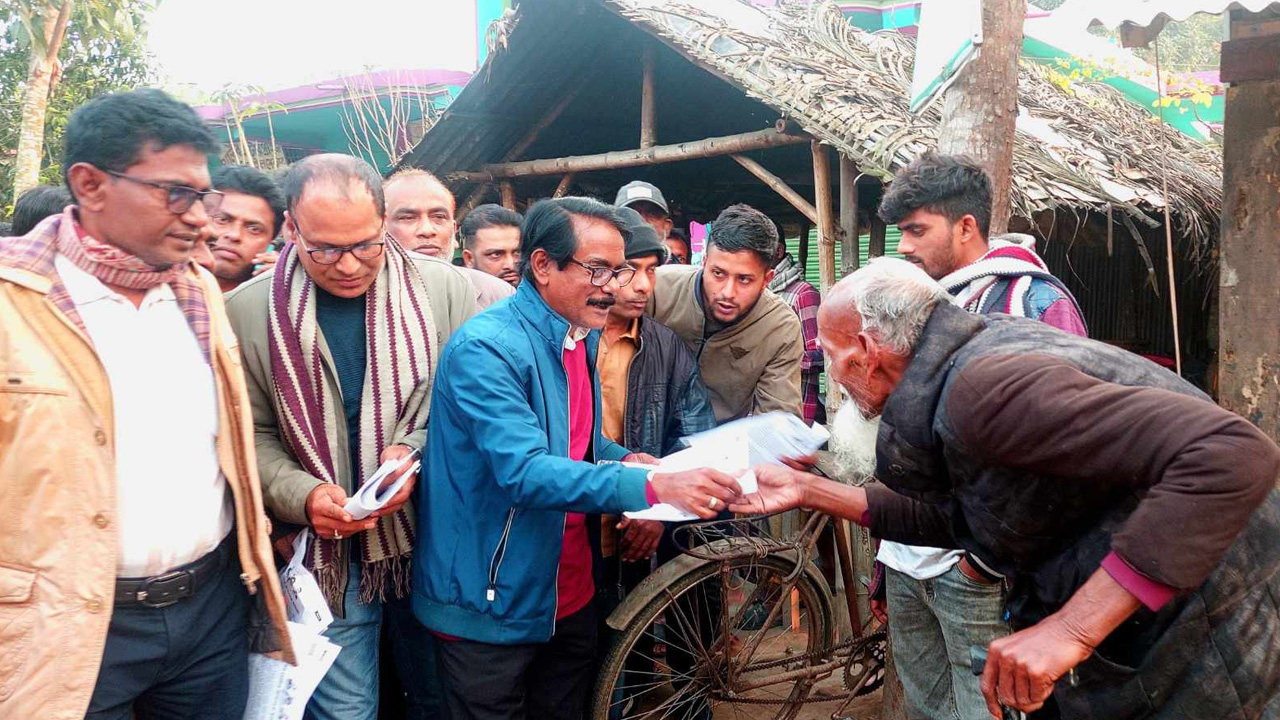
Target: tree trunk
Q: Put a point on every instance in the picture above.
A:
(980, 110)
(35, 98)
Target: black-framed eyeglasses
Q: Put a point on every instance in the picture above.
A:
(178, 198)
(331, 255)
(600, 275)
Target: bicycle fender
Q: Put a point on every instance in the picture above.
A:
(652, 587)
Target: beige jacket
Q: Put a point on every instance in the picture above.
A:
(285, 483)
(750, 367)
(58, 490)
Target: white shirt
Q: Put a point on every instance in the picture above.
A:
(171, 498)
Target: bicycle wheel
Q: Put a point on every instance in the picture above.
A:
(671, 662)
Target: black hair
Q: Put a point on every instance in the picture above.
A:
(680, 234)
(336, 170)
(549, 225)
(252, 181)
(950, 185)
(110, 131)
(742, 227)
(35, 205)
(6, 229)
(487, 216)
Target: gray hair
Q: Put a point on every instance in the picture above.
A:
(895, 299)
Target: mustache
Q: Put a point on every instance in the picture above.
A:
(604, 302)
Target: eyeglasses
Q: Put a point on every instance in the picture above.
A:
(600, 276)
(179, 198)
(331, 255)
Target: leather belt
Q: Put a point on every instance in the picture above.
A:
(166, 589)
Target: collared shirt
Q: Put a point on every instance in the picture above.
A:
(172, 505)
(613, 365)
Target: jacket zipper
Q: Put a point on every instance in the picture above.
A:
(498, 554)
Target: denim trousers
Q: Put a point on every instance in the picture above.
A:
(933, 625)
(350, 689)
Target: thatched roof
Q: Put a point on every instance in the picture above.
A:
(849, 88)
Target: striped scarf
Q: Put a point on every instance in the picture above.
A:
(785, 273)
(1011, 256)
(402, 345)
(112, 266)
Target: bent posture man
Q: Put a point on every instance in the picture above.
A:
(134, 533)
(341, 345)
(940, 604)
(1140, 552)
(747, 341)
(504, 572)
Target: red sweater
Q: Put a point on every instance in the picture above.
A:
(574, 584)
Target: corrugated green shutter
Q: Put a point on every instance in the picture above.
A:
(891, 237)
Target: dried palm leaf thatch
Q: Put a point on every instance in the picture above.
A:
(1082, 148)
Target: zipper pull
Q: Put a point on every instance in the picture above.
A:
(490, 594)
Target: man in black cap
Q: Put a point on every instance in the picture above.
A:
(647, 200)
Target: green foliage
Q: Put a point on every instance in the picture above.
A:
(1190, 45)
(92, 64)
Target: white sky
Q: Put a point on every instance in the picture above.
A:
(201, 45)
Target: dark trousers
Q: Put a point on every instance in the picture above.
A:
(410, 683)
(188, 661)
(543, 681)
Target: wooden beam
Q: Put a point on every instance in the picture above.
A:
(1251, 58)
(474, 199)
(508, 193)
(802, 248)
(779, 186)
(826, 215)
(848, 216)
(875, 243)
(845, 553)
(648, 108)
(529, 138)
(656, 155)
(563, 186)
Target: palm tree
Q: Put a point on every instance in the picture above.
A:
(43, 27)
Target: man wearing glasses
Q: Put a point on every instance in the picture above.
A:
(135, 532)
(341, 344)
(504, 572)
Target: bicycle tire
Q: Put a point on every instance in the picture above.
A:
(819, 620)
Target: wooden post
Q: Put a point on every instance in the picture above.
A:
(875, 242)
(779, 186)
(648, 108)
(1249, 346)
(563, 186)
(846, 571)
(508, 193)
(656, 155)
(979, 110)
(848, 216)
(802, 247)
(826, 215)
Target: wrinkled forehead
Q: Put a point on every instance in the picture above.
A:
(424, 194)
(838, 321)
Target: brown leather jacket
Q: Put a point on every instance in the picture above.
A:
(58, 490)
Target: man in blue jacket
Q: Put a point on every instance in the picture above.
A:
(503, 572)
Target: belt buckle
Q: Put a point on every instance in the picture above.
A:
(164, 590)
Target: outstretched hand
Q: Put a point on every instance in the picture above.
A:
(778, 488)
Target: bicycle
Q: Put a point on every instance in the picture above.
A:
(742, 620)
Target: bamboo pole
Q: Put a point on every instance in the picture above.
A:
(848, 215)
(845, 553)
(648, 108)
(875, 243)
(563, 186)
(1168, 226)
(826, 216)
(656, 155)
(508, 193)
(779, 186)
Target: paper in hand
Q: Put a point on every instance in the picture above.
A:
(728, 457)
(280, 691)
(303, 600)
(370, 497)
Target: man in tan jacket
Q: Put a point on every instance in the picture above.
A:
(747, 341)
(134, 534)
(340, 343)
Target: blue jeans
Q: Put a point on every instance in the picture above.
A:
(350, 689)
(942, 617)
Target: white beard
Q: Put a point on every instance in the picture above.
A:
(853, 440)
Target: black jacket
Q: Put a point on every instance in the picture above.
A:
(666, 400)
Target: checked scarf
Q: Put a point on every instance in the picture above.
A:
(111, 265)
(402, 346)
(785, 273)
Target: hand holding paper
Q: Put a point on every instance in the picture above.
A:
(389, 488)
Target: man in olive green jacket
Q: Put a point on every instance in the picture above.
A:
(747, 341)
(340, 345)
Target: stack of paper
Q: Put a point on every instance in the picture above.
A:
(734, 448)
(280, 691)
(371, 496)
(302, 597)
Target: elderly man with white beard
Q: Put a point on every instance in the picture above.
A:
(1132, 519)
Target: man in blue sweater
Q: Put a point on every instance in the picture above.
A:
(503, 573)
